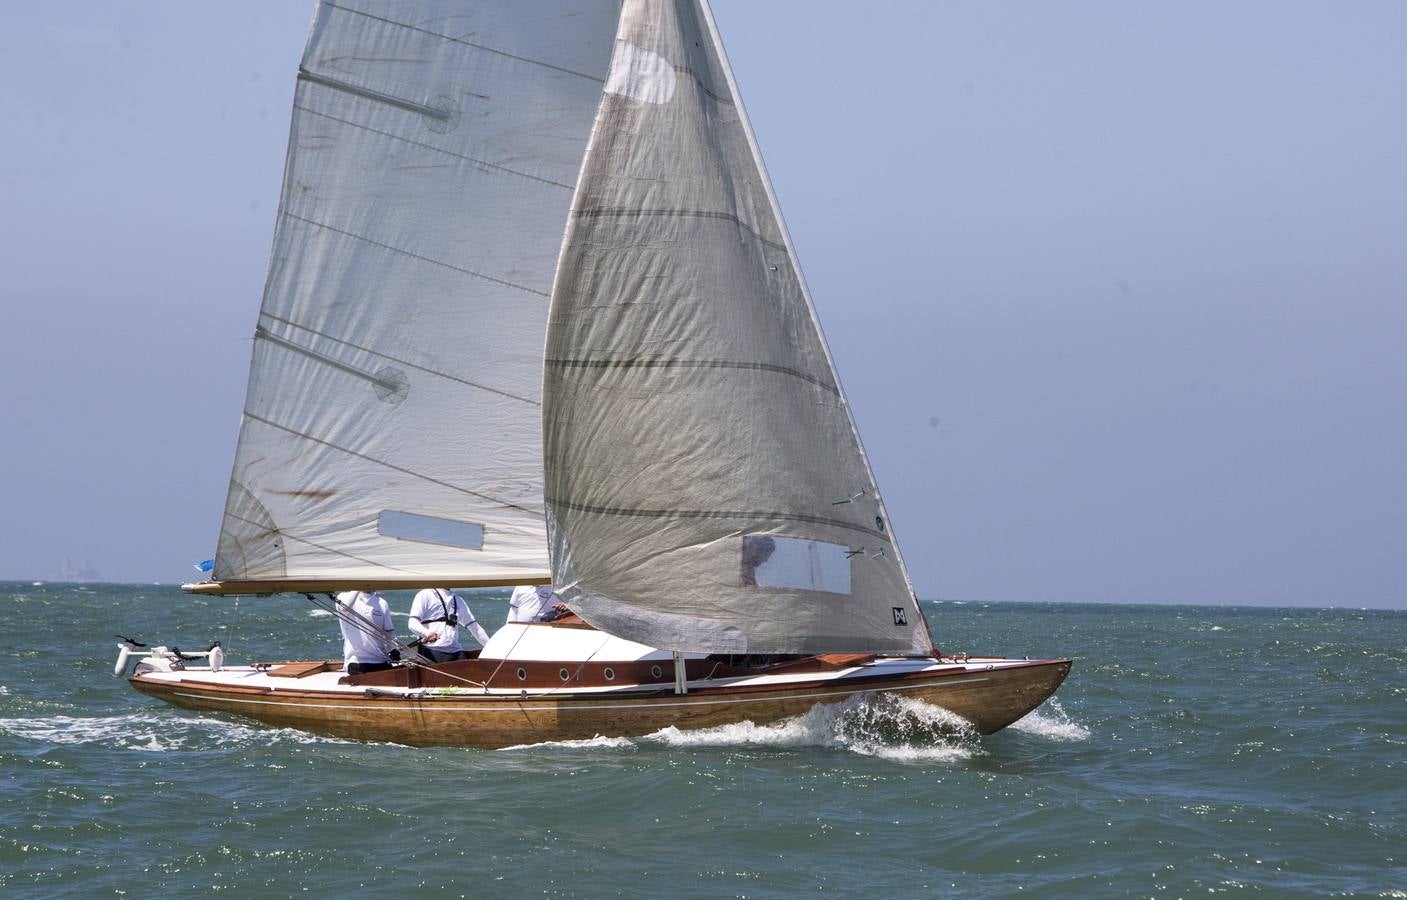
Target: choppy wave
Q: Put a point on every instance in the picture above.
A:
(598, 742)
(887, 726)
(1267, 756)
(883, 725)
(318, 613)
(152, 731)
(1051, 721)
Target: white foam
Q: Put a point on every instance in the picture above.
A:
(883, 725)
(596, 743)
(794, 732)
(940, 754)
(152, 731)
(1050, 721)
(4, 691)
(318, 613)
(886, 726)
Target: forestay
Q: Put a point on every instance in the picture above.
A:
(706, 487)
(391, 428)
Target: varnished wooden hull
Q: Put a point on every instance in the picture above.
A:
(990, 700)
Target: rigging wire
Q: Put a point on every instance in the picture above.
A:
(502, 661)
(577, 673)
(388, 642)
(360, 623)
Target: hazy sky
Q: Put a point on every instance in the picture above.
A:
(1118, 291)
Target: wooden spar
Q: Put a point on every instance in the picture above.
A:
(380, 583)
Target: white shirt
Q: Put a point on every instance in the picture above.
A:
(367, 630)
(531, 604)
(437, 603)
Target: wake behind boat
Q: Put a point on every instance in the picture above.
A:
(532, 317)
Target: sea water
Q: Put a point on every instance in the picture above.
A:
(1193, 750)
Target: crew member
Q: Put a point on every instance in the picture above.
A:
(436, 616)
(535, 604)
(368, 635)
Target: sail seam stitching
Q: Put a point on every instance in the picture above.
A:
(712, 514)
(688, 364)
(414, 143)
(455, 40)
(259, 331)
(621, 212)
(393, 466)
(395, 249)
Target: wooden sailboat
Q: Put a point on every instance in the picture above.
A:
(427, 706)
(468, 183)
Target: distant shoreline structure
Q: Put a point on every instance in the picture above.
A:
(78, 572)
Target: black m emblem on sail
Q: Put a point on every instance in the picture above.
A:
(899, 617)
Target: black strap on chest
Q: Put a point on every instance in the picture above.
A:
(448, 614)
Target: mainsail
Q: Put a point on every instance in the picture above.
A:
(391, 429)
(706, 487)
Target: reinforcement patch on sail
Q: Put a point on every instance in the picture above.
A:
(640, 75)
(392, 422)
(706, 488)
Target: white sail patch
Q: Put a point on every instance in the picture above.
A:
(782, 562)
(640, 74)
(430, 530)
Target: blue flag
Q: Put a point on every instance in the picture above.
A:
(206, 566)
